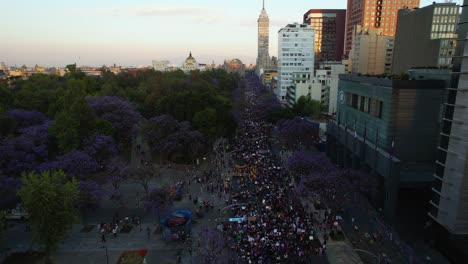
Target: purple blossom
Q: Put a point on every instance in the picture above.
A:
(26, 118)
(117, 171)
(297, 133)
(119, 112)
(91, 195)
(75, 163)
(101, 147)
(158, 202)
(25, 152)
(212, 246)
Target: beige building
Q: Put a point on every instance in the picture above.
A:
(234, 65)
(375, 14)
(371, 52)
(432, 27)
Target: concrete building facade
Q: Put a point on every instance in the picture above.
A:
(371, 52)
(162, 65)
(378, 14)
(387, 126)
(449, 204)
(329, 25)
(296, 55)
(322, 87)
(432, 27)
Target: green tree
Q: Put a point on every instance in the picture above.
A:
(76, 121)
(51, 200)
(206, 121)
(305, 106)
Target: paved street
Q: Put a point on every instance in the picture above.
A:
(87, 247)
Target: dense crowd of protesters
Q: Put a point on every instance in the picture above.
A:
(273, 226)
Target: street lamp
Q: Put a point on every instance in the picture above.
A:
(107, 255)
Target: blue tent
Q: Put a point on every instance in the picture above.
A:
(177, 224)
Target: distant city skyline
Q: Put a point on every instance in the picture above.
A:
(132, 33)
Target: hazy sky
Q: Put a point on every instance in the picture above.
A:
(134, 32)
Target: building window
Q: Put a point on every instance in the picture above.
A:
(376, 108)
(354, 101)
(367, 105)
(362, 99)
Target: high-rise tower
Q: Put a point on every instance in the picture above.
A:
(379, 14)
(263, 57)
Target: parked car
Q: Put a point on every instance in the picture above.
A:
(18, 213)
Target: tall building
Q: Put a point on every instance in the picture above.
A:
(449, 204)
(388, 126)
(263, 56)
(432, 27)
(296, 54)
(380, 14)
(371, 52)
(329, 25)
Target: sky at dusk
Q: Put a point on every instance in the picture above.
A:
(131, 33)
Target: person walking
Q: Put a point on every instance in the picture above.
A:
(103, 238)
(148, 232)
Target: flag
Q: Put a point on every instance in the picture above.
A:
(365, 133)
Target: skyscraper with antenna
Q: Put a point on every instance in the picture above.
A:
(263, 57)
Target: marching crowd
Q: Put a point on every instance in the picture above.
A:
(273, 225)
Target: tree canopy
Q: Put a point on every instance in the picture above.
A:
(50, 199)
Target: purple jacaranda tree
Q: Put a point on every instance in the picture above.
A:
(119, 112)
(297, 133)
(266, 104)
(143, 174)
(195, 143)
(101, 147)
(8, 189)
(158, 202)
(25, 152)
(212, 247)
(160, 131)
(303, 163)
(117, 171)
(166, 136)
(90, 197)
(26, 118)
(76, 163)
(190, 142)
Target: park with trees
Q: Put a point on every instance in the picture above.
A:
(63, 138)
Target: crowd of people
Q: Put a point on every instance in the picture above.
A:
(272, 225)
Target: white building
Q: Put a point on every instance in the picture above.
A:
(296, 54)
(323, 87)
(161, 65)
(190, 64)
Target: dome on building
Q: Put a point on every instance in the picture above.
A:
(190, 63)
(190, 59)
